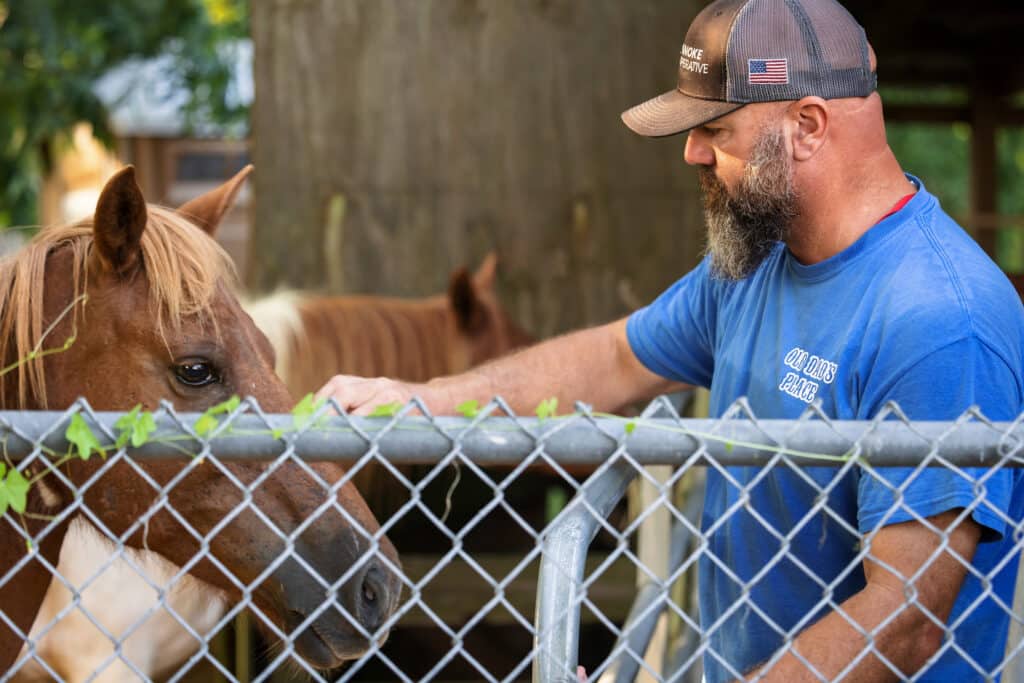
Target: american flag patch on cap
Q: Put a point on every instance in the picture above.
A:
(772, 71)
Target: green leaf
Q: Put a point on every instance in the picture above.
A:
(205, 424)
(630, 427)
(17, 490)
(143, 427)
(5, 498)
(134, 426)
(225, 407)
(547, 408)
(469, 408)
(386, 409)
(304, 409)
(81, 437)
(277, 433)
(126, 421)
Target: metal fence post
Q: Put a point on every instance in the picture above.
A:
(559, 590)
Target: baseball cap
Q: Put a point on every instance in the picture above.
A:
(742, 51)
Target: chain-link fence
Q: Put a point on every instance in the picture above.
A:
(518, 553)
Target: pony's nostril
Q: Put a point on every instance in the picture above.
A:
(369, 593)
(373, 598)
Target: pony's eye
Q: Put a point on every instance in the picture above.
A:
(195, 373)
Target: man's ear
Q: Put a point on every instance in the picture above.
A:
(207, 210)
(811, 118)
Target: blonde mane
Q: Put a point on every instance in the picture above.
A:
(182, 282)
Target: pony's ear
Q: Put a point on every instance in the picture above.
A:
(470, 312)
(484, 275)
(207, 210)
(119, 221)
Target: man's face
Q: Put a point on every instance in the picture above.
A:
(746, 220)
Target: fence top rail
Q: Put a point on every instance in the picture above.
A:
(249, 434)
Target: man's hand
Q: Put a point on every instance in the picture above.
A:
(360, 395)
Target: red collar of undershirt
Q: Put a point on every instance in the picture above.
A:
(897, 206)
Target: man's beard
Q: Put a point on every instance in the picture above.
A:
(745, 225)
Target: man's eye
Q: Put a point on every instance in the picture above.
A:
(195, 373)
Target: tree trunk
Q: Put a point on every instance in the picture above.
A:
(396, 140)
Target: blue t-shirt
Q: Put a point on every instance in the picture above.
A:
(913, 312)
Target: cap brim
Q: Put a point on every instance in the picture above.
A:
(674, 112)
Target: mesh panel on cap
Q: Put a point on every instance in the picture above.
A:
(824, 49)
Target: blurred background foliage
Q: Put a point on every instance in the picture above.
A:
(53, 51)
(939, 154)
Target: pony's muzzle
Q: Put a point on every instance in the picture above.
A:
(353, 625)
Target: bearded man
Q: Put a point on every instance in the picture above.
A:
(833, 279)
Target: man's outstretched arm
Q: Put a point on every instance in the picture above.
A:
(911, 637)
(595, 365)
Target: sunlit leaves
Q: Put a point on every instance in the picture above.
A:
(547, 408)
(468, 409)
(208, 421)
(386, 409)
(134, 427)
(80, 435)
(13, 490)
(303, 411)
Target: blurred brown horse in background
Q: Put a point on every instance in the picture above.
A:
(316, 337)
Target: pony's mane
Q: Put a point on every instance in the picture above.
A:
(182, 265)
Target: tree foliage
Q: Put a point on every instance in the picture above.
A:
(53, 51)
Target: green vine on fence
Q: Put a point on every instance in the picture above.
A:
(138, 427)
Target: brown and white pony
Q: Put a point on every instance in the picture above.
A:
(146, 295)
(315, 337)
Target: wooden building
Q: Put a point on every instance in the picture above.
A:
(973, 50)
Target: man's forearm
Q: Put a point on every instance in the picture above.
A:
(830, 645)
(596, 365)
(593, 365)
(912, 631)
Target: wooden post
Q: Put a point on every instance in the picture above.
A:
(984, 106)
(653, 551)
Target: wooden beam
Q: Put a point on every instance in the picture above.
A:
(991, 221)
(923, 113)
(1001, 116)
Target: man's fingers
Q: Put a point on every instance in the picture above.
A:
(333, 386)
(361, 395)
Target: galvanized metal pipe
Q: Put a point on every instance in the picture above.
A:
(502, 440)
(564, 554)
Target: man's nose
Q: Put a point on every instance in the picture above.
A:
(697, 151)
